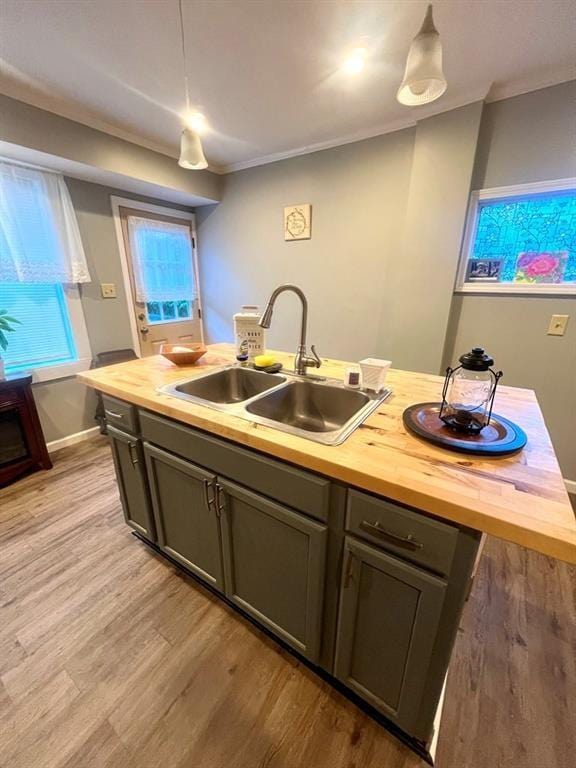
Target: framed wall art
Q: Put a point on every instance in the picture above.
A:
(297, 222)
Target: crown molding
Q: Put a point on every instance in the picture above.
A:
(414, 115)
(490, 93)
(501, 91)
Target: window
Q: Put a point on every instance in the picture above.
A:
(163, 268)
(521, 240)
(41, 262)
(32, 304)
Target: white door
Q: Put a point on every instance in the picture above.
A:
(163, 274)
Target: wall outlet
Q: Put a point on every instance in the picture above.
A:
(108, 290)
(558, 325)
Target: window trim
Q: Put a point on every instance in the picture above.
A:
(161, 210)
(83, 362)
(510, 192)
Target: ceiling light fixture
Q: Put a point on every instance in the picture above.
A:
(197, 122)
(191, 152)
(355, 62)
(424, 79)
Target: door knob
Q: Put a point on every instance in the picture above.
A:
(141, 316)
(144, 329)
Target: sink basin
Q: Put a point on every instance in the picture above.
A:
(310, 406)
(231, 385)
(318, 409)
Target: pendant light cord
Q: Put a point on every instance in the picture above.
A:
(184, 57)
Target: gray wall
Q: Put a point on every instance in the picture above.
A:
(358, 193)
(527, 138)
(365, 273)
(64, 405)
(422, 275)
(363, 299)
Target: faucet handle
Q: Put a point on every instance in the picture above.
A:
(314, 360)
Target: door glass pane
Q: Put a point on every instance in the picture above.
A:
(169, 310)
(184, 309)
(154, 312)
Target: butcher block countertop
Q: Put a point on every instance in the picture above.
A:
(520, 498)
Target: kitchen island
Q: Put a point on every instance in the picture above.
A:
(359, 557)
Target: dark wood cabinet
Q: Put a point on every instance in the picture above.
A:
(22, 445)
(388, 623)
(132, 482)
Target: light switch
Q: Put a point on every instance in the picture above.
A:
(108, 290)
(558, 325)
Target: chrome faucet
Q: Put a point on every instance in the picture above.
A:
(302, 360)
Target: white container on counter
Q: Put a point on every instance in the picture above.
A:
(374, 373)
(249, 336)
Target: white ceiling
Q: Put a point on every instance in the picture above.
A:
(266, 72)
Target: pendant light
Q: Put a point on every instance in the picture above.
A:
(424, 79)
(191, 152)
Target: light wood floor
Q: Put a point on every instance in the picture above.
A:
(110, 658)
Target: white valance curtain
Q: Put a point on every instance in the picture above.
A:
(39, 236)
(162, 260)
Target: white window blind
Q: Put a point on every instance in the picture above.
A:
(39, 236)
(44, 337)
(162, 260)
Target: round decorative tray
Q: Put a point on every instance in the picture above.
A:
(499, 438)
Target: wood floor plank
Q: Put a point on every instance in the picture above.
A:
(21, 725)
(111, 658)
(102, 749)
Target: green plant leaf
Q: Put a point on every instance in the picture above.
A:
(12, 319)
(3, 341)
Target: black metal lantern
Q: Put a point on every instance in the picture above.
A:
(468, 393)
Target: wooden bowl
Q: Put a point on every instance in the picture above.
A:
(183, 354)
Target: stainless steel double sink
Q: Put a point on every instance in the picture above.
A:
(318, 409)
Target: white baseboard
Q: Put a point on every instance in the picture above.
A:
(77, 437)
(570, 485)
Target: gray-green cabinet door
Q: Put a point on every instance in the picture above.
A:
(274, 565)
(186, 518)
(389, 616)
(132, 484)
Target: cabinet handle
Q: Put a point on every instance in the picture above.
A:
(403, 541)
(220, 499)
(349, 569)
(113, 414)
(208, 500)
(133, 458)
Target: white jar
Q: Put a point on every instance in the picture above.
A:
(249, 336)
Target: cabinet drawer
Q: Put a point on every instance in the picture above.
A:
(299, 490)
(409, 535)
(120, 414)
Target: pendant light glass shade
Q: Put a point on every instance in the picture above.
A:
(191, 152)
(424, 79)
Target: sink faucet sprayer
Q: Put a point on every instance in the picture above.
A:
(302, 360)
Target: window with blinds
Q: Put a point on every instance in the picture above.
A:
(45, 336)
